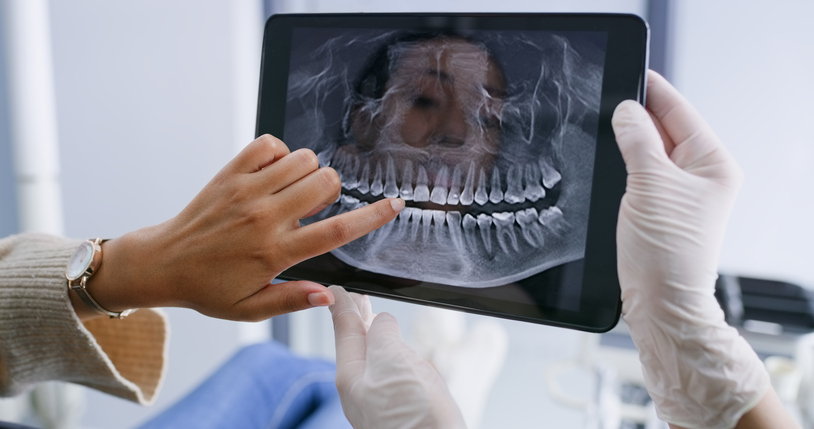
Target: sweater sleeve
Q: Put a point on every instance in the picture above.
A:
(41, 338)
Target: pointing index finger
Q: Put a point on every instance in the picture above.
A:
(336, 231)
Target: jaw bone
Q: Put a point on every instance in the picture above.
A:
(451, 246)
(455, 249)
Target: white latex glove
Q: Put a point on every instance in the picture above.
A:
(681, 186)
(383, 383)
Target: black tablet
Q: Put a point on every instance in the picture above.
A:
(496, 131)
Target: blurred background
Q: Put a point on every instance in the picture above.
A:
(136, 104)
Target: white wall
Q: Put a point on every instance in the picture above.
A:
(153, 98)
(747, 67)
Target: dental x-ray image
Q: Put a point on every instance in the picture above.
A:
(489, 136)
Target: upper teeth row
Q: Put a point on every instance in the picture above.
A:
(524, 182)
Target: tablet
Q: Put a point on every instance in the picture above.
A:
(494, 128)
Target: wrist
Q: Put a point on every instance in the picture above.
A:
(125, 279)
(699, 373)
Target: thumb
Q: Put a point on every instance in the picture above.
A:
(638, 139)
(282, 298)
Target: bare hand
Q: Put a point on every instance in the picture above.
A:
(220, 253)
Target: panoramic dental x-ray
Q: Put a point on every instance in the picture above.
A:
(489, 136)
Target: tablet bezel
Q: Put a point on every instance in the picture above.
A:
(624, 78)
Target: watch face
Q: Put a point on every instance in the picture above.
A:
(79, 261)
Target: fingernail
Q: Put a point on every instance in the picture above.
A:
(397, 204)
(319, 299)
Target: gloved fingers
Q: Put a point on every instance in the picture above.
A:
(669, 145)
(365, 309)
(384, 338)
(638, 138)
(696, 145)
(350, 333)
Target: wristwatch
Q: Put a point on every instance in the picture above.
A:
(83, 265)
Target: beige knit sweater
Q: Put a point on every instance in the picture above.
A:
(42, 339)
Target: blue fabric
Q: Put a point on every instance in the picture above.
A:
(264, 386)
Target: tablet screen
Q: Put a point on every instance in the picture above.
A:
(489, 135)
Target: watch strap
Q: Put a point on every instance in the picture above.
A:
(78, 286)
(80, 290)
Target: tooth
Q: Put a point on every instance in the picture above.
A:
(438, 218)
(404, 214)
(426, 223)
(484, 225)
(532, 231)
(454, 222)
(381, 234)
(496, 195)
(406, 190)
(504, 222)
(550, 175)
(467, 196)
(390, 188)
(331, 210)
(422, 192)
(364, 179)
(480, 195)
(347, 203)
(469, 224)
(455, 186)
(415, 221)
(514, 185)
(534, 191)
(439, 191)
(351, 169)
(337, 159)
(385, 231)
(404, 223)
(376, 186)
(325, 156)
(550, 216)
(338, 164)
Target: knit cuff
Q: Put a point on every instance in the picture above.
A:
(42, 339)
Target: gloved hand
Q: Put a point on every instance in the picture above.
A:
(382, 382)
(681, 186)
